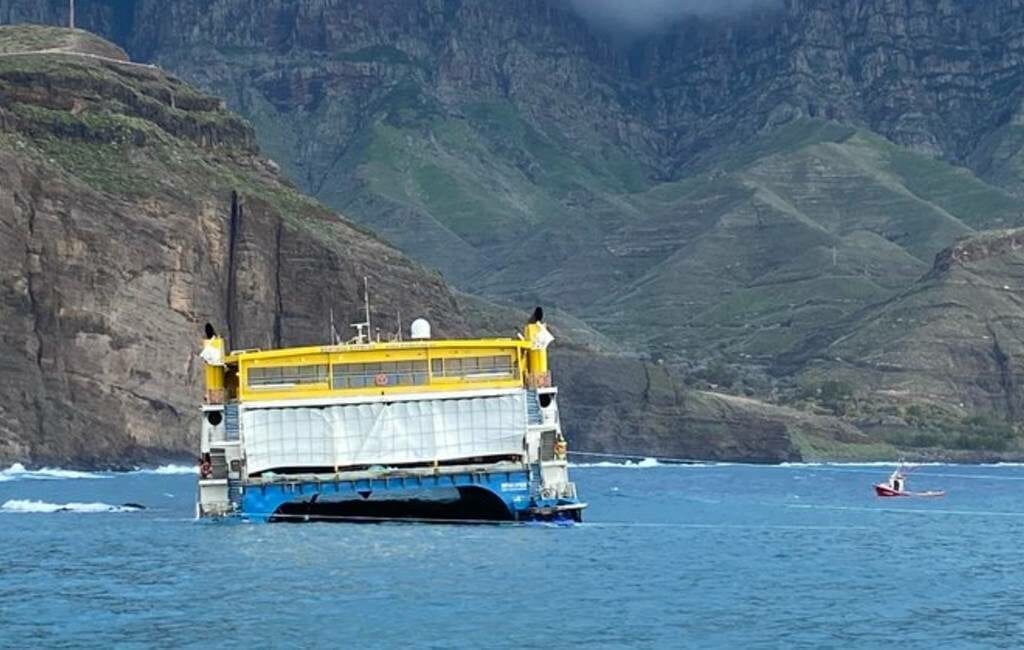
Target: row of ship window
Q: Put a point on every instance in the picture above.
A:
(385, 373)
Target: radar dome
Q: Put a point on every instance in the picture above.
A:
(420, 329)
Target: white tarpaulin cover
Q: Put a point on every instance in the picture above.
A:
(384, 434)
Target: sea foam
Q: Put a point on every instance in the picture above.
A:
(170, 469)
(639, 464)
(27, 506)
(17, 472)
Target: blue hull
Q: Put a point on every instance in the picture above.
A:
(449, 497)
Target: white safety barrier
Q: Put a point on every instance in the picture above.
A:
(383, 433)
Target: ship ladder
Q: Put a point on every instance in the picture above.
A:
(235, 493)
(533, 415)
(231, 422)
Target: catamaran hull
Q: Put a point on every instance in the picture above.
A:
(453, 497)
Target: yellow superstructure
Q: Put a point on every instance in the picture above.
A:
(364, 430)
(382, 368)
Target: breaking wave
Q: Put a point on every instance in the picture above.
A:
(892, 463)
(646, 462)
(28, 506)
(18, 472)
(170, 469)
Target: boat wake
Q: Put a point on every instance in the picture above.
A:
(26, 506)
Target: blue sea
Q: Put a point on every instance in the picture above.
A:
(717, 556)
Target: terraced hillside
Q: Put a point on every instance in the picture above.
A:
(939, 364)
(720, 188)
(134, 208)
(720, 194)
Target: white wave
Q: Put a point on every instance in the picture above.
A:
(639, 464)
(29, 506)
(873, 463)
(169, 469)
(17, 471)
(646, 463)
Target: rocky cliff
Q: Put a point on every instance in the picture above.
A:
(940, 363)
(722, 193)
(132, 210)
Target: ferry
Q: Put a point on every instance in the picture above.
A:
(367, 430)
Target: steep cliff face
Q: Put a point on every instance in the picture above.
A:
(741, 180)
(132, 210)
(730, 189)
(652, 174)
(952, 342)
(939, 364)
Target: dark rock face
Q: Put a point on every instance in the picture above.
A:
(725, 179)
(129, 216)
(936, 76)
(616, 405)
(652, 174)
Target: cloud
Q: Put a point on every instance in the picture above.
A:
(637, 17)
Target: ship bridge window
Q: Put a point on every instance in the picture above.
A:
(475, 368)
(287, 376)
(379, 374)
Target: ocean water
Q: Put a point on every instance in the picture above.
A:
(726, 556)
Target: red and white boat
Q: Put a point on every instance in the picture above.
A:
(883, 489)
(896, 486)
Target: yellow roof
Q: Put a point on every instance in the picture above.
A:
(250, 355)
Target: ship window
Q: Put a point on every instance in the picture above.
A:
(476, 368)
(379, 375)
(286, 376)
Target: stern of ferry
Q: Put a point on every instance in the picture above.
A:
(427, 430)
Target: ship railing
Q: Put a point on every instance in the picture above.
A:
(536, 380)
(214, 396)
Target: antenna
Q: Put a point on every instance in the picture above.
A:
(364, 333)
(366, 299)
(71, 14)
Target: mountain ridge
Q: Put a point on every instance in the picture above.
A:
(714, 196)
(135, 208)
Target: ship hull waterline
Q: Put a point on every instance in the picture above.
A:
(449, 497)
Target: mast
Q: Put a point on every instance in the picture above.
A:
(366, 301)
(364, 333)
(71, 14)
